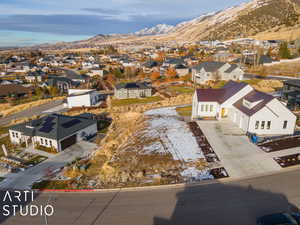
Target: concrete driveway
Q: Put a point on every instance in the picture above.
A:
(24, 180)
(238, 155)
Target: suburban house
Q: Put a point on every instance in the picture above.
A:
(83, 98)
(14, 90)
(61, 83)
(132, 90)
(291, 93)
(208, 71)
(54, 131)
(181, 70)
(251, 110)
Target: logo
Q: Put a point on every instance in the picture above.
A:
(14, 202)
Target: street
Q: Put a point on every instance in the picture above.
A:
(232, 203)
(38, 110)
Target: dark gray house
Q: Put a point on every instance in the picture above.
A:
(291, 92)
(54, 131)
(133, 90)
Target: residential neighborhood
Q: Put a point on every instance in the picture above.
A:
(109, 117)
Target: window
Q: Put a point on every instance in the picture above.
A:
(285, 123)
(50, 142)
(202, 108)
(17, 135)
(42, 141)
(269, 125)
(263, 124)
(13, 134)
(46, 142)
(206, 108)
(211, 107)
(256, 125)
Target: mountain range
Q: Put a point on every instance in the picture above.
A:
(261, 19)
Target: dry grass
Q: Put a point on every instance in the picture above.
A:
(9, 110)
(291, 69)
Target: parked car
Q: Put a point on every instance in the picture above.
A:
(280, 219)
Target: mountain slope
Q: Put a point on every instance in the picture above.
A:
(245, 20)
(158, 29)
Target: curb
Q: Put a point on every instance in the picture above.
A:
(166, 187)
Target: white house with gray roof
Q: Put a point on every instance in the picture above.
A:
(133, 90)
(252, 111)
(54, 131)
(208, 71)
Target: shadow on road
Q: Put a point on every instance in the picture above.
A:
(222, 204)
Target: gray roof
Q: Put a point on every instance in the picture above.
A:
(209, 66)
(231, 68)
(132, 85)
(294, 82)
(54, 126)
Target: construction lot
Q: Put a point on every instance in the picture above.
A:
(237, 154)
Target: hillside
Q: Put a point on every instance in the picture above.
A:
(261, 19)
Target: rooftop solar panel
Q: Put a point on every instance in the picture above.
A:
(45, 129)
(70, 123)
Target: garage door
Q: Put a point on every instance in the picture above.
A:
(68, 142)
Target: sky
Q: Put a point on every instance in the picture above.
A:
(30, 22)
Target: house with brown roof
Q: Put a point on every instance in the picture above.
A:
(14, 90)
(252, 111)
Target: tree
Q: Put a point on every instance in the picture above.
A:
(39, 92)
(53, 91)
(110, 78)
(155, 75)
(171, 73)
(284, 51)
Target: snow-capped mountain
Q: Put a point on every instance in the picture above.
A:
(156, 30)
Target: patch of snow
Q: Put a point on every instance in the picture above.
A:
(158, 29)
(175, 135)
(194, 174)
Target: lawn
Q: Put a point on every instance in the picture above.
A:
(181, 90)
(131, 101)
(184, 111)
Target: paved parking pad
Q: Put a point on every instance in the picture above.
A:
(238, 155)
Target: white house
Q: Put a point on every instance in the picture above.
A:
(55, 131)
(251, 110)
(83, 97)
(207, 71)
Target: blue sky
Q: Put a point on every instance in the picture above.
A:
(29, 22)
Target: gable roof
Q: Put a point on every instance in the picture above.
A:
(54, 126)
(209, 66)
(220, 95)
(231, 68)
(253, 96)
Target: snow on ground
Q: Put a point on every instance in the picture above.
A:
(174, 135)
(196, 175)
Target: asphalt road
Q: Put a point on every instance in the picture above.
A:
(235, 203)
(38, 110)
